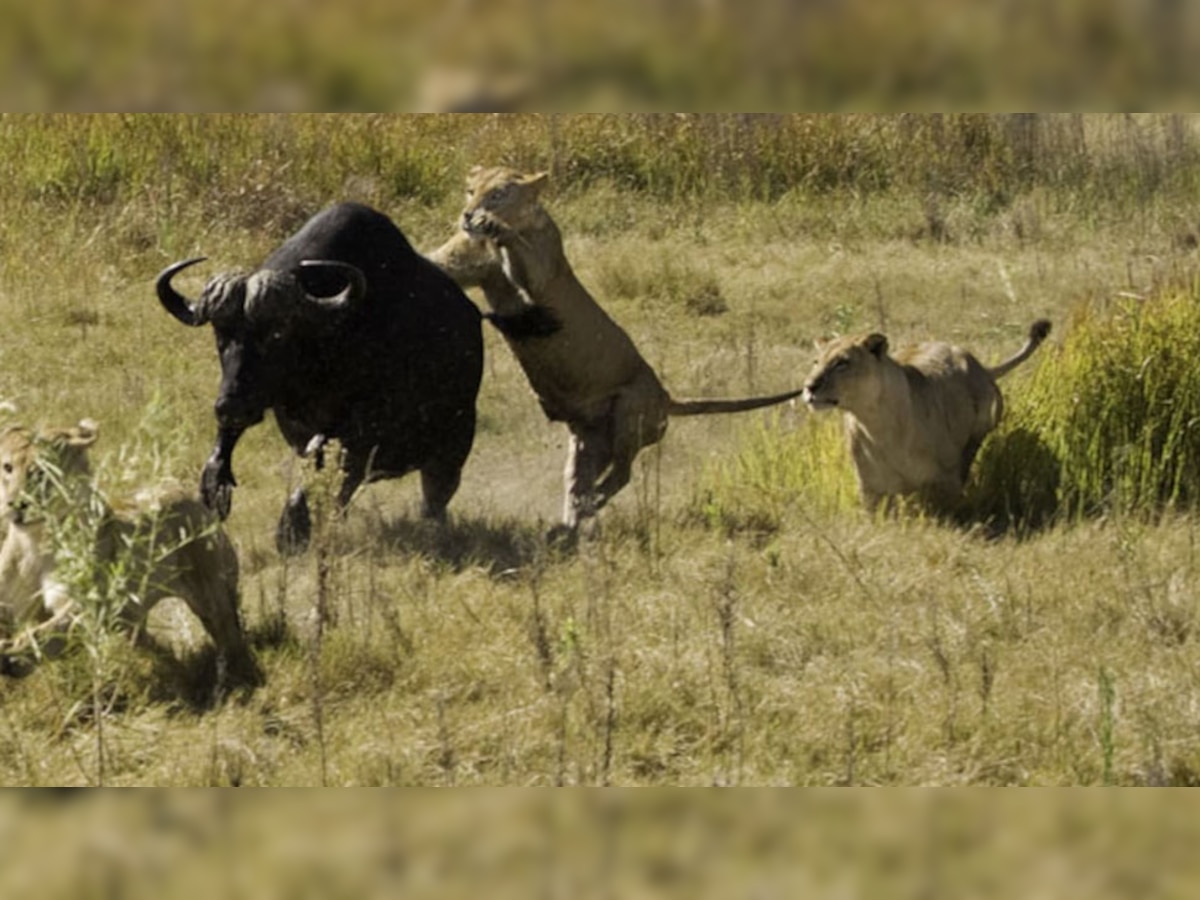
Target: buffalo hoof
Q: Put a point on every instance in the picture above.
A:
(216, 488)
(237, 669)
(295, 526)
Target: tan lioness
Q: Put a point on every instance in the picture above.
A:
(914, 419)
(582, 365)
(172, 546)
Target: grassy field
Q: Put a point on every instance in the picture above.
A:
(737, 620)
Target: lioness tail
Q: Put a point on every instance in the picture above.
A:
(1037, 333)
(704, 407)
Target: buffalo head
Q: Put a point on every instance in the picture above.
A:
(267, 298)
(256, 318)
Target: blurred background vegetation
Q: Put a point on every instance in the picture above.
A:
(470, 55)
(222, 160)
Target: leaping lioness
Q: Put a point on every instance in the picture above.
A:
(914, 419)
(582, 365)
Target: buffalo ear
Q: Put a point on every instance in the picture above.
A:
(876, 344)
(84, 434)
(537, 180)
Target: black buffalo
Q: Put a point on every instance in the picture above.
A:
(348, 334)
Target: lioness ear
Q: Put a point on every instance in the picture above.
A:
(474, 171)
(82, 435)
(876, 344)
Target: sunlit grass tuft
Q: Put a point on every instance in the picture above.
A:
(774, 470)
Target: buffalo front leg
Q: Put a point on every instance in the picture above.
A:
(216, 478)
(294, 531)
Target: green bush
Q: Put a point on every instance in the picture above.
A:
(1111, 419)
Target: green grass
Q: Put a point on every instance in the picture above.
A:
(737, 620)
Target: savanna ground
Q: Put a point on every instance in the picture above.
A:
(737, 619)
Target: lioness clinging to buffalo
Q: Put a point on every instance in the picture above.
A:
(914, 419)
(583, 366)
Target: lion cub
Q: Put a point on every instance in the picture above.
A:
(914, 419)
(173, 547)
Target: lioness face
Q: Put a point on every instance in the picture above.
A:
(29, 462)
(501, 201)
(846, 372)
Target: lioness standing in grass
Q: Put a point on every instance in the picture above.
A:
(172, 546)
(583, 366)
(914, 419)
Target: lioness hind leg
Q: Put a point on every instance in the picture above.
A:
(208, 584)
(636, 424)
(218, 612)
(588, 454)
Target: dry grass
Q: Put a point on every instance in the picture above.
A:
(737, 620)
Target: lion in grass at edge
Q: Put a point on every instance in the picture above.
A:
(582, 365)
(171, 545)
(914, 419)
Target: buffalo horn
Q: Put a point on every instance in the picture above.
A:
(355, 288)
(174, 302)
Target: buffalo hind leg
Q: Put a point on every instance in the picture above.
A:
(439, 483)
(294, 530)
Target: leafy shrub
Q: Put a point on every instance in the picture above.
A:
(1111, 420)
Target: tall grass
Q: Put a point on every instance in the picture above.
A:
(1111, 419)
(218, 161)
(776, 469)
